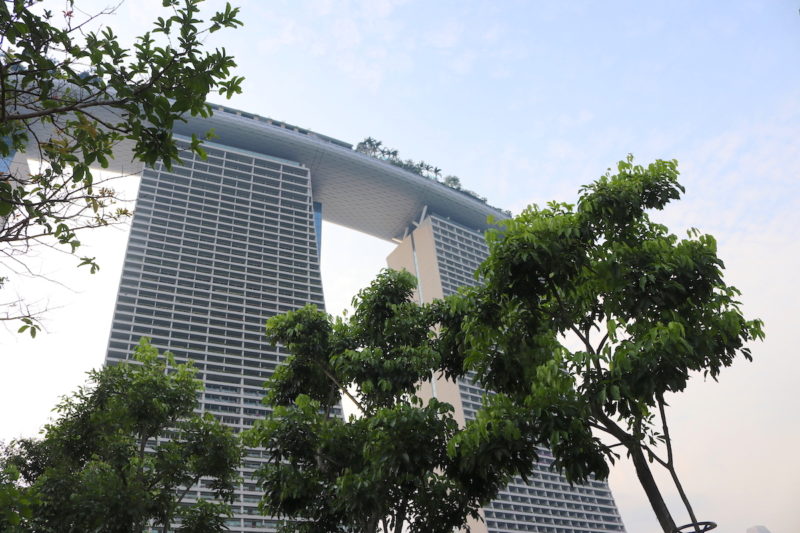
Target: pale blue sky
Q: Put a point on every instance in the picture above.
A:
(526, 101)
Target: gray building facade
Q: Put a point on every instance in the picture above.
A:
(217, 246)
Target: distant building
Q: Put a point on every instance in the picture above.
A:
(218, 246)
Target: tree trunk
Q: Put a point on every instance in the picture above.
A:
(643, 472)
(651, 489)
(399, 518)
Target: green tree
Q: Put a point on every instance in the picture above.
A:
(15, 501)
(453, 182)
(123, 454)
(371, 147)
(589, 316)
(389, 466)
(71, 96)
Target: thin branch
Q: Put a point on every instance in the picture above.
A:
(602, 343)
(188, 488)
(600, 427)
(329, 407)
(91, 17)
(653, 455)
(664, 426)
(68, 108)
(574, 329)
(3, 91)
(32, 274)
(583, 339)
(671, 466)
(343, 389)
(112, 127)
(400, 517)
(142, 446)
(612, 427)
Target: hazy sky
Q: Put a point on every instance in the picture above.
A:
(525, 102)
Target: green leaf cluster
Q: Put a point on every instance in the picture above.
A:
(393, 464)
(70, 97)
(586, 317)
(589, 315)
(122, 455)
(16, 502)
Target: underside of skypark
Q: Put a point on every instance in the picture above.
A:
(356, 191)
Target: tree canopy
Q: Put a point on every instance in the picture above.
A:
(70, 96)
(388, 467)
(122, 455)
(590, 315)
(586, 318)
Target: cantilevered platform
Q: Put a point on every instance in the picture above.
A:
(356, 191)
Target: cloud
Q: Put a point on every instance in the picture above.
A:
(742, 433)
(462, 62)
(445, 36)
(287, 32)
(346, 34)
(380, 8)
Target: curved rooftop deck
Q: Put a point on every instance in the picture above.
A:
(355, 190)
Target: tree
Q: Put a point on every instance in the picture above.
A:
(453, 182)
(371, 147)
(375, 148)
(123, 455)
(15, 501)
(71, 96)
(644, 309)
(389, 467)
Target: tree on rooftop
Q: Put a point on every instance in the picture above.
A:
(104, 464)
(452, 181)
(70, 96)
(644, 308)
(375, 148)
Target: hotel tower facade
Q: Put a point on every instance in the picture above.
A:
(217, 246)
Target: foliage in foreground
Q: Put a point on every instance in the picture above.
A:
(588, 316)
(643, 309)
(390, 466)
(70, 97)
(104, 464)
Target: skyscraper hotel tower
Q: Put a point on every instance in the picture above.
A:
(217, 246)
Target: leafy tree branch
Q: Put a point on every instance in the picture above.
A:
(71, 96)
(390, 469)
(660, 302)
(104, 464)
